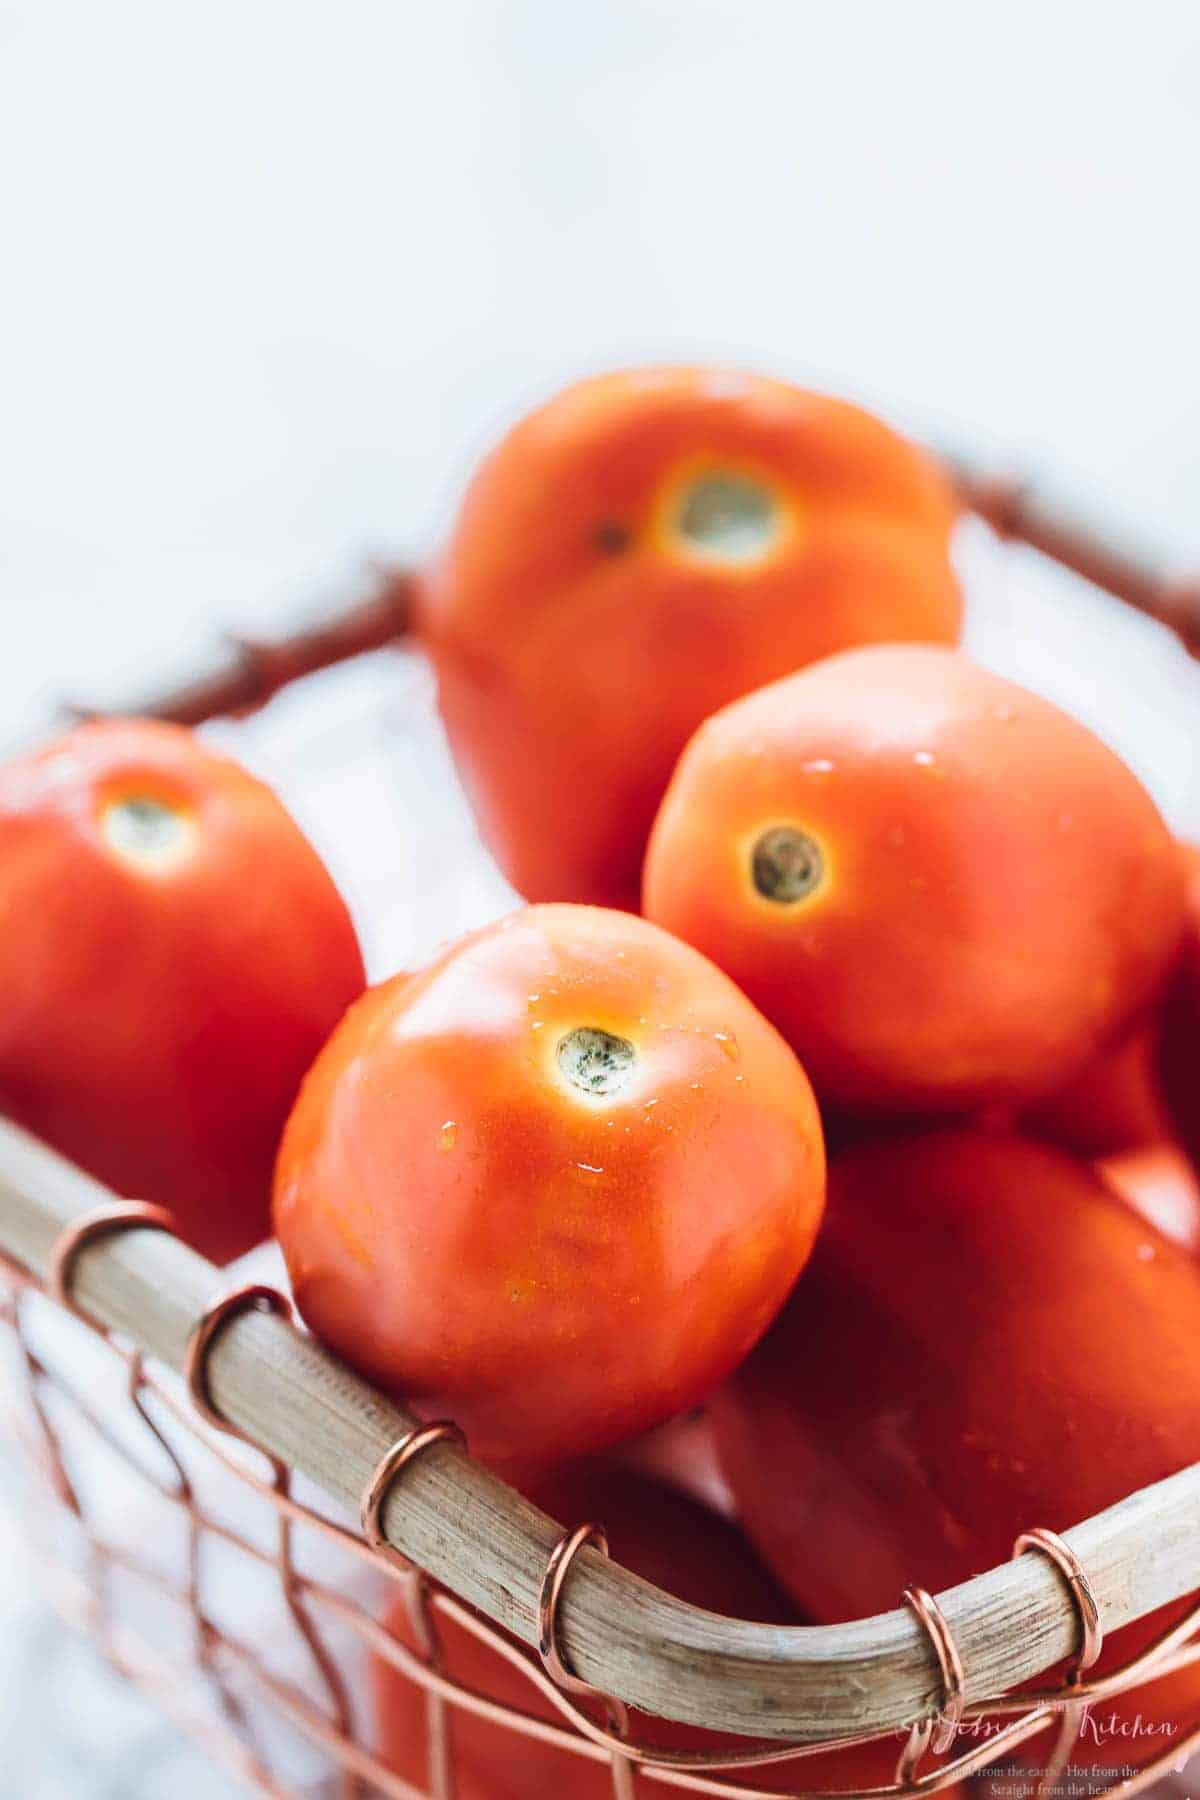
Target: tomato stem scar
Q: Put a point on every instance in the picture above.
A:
(594, 1061)
(728, 516)
(786, 864)
(145, 830)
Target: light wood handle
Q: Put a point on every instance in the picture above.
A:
(480, 1539)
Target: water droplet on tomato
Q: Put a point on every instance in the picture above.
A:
(448, 1135)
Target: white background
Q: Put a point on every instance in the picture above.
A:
(271, 274)
(272, 268)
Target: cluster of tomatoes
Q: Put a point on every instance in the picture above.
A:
(802, 876)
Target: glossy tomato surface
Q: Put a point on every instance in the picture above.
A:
(1113, 1107)
(944, 891)
(555, 1184)
(635, 554)
(667, 1539)
(173, 953)
(985, 1340)
(683, 1455)
(1180, 1046)
(1117, 1106)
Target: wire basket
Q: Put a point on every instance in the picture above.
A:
(197, 1444)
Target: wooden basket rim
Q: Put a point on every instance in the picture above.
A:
(485, 1543)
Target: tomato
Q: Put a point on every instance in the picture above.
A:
(555, 1184)
(986, 1340)
(1180, 1049)
(635, 554)
(1113, 1107)
(667, 1539)
(945, 892)
(173, 953)
(1116, 1106)
(683, 1454)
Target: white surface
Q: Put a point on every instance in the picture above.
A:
(272, 273)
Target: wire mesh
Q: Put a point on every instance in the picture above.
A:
(219, 1684)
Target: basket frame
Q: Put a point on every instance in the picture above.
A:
(803, 1685)
(601, 1631)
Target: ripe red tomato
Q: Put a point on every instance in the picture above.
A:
(986, 1340)
(666, 1538)
(945, 892)
(173, 953)
(682, 1454)
(638, 552)
(555, 1184)
(1113, 1107)
(1116, 1106)
(1180, 1048)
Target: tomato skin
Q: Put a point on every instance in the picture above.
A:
(579, 639)
(666, 1538)
(966, 943)
(1115, 1106)
(1180, 1045)
(682, 1454)
(1013, 1348)
(555, 1270)
(158, 1016)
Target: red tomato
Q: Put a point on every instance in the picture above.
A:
(945, 892)
(667, 1539)
(1181, 1021)
(986, 1340)
(637, 553)
(173, 953)
(683, 1455)
(555, 1184)
(1115, 1106)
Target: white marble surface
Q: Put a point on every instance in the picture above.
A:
(272, 273)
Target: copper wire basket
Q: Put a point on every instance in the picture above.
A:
(171, 1370)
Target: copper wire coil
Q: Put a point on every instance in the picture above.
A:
(229, 1739)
